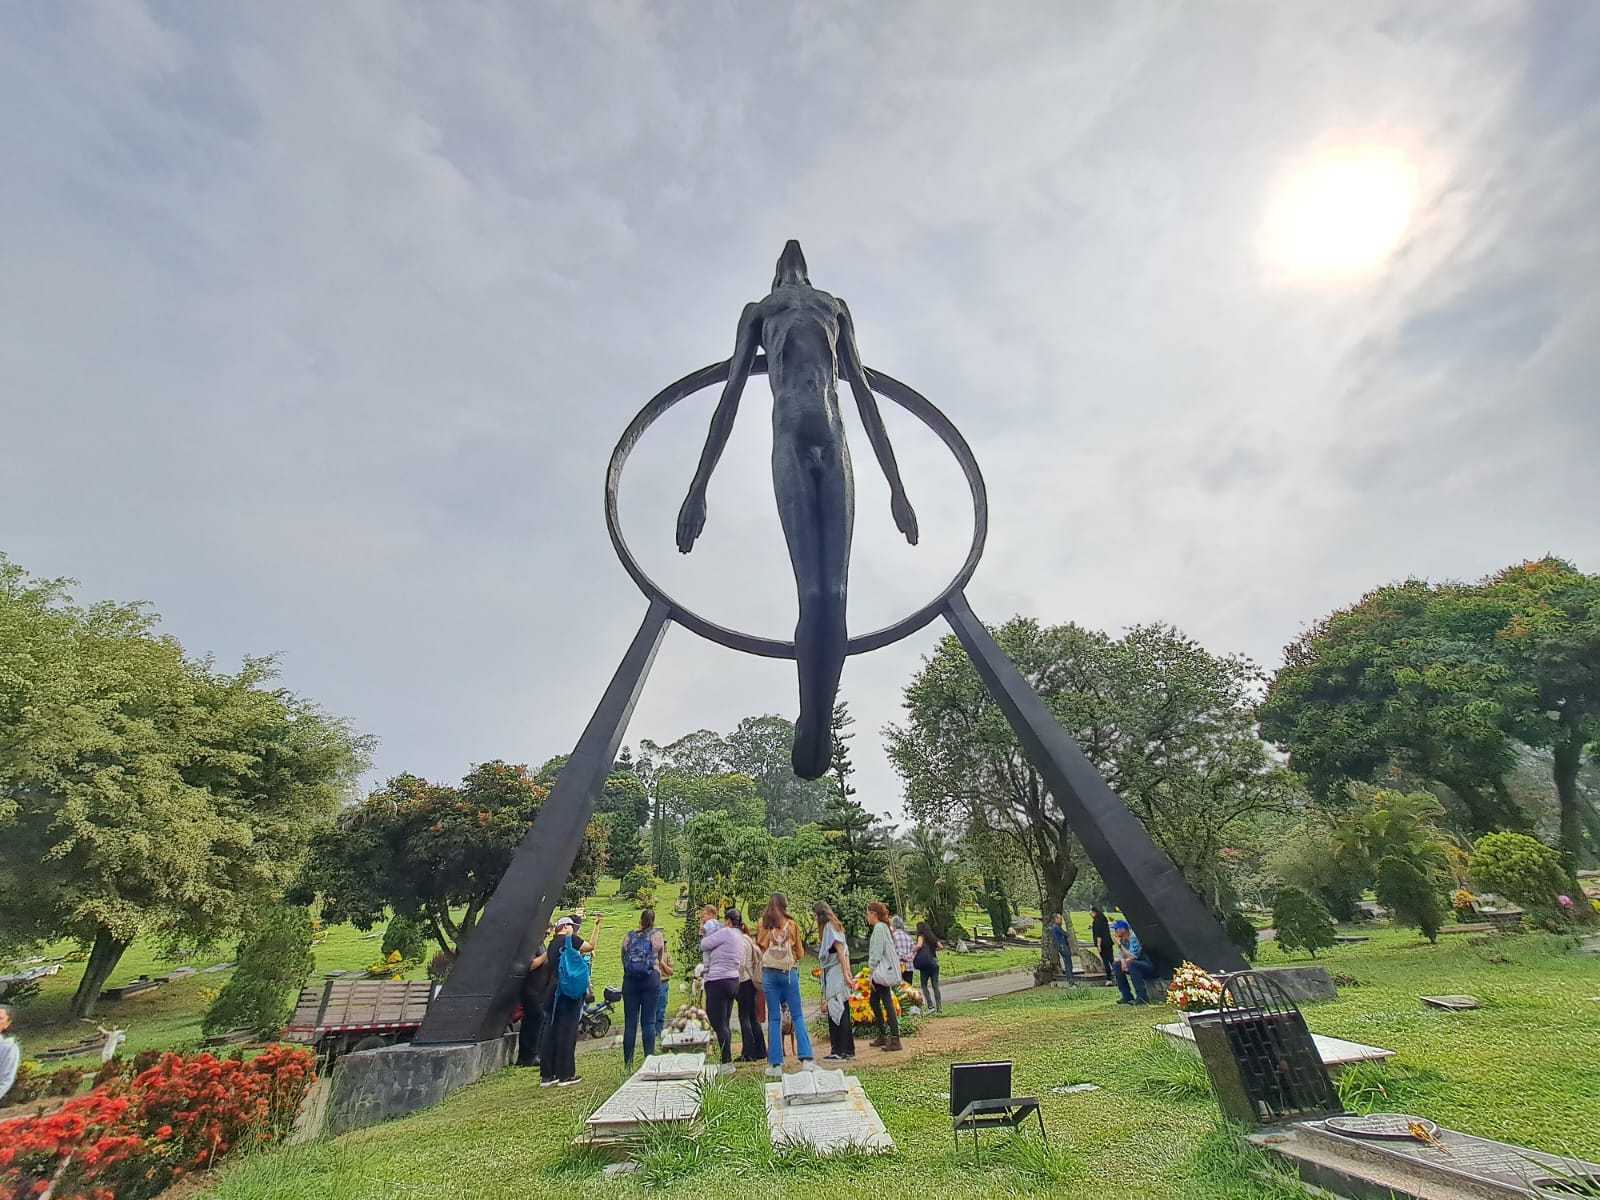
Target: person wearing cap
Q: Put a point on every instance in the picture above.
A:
(722, 949)
(557, 1058)
(1130, 963)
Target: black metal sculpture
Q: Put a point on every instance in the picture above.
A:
(809, 339)
(813, 484)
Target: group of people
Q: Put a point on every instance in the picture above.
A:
(1126, 962)
(756, 973)
(737, 961)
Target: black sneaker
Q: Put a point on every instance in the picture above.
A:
(547, 1083)
(834, 1057)
(569, 1081)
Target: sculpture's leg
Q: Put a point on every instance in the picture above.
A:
(1169, 918)
(817, 509)
(482, 989)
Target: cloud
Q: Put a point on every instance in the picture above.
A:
(317, 325)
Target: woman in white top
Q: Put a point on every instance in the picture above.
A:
(837, 984)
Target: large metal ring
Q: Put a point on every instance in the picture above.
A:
(891, 389)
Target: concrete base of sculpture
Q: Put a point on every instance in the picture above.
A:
(378, 1085)
(1304, 985)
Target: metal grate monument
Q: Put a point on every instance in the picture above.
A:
(809, 342)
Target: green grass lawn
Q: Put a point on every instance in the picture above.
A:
(1525, 1067)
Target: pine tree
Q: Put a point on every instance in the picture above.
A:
(862, 852)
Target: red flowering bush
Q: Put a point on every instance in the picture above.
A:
(129, 1140)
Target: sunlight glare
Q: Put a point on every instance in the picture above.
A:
(1339, 215)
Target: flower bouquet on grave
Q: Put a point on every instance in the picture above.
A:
(1194, 989)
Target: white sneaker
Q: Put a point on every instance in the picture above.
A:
(774, 1072)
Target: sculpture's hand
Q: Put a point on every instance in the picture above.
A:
(691, 519)
(905, 519)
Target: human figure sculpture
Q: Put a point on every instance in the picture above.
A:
(810, 341)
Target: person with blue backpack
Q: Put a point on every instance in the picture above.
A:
(641, 982)
(557, 1061)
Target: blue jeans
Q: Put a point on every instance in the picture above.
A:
(638, 1001)
(783, 989)
(1141, 970)
(661, 1009)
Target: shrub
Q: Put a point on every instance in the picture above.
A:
(65, 1081)
(439, 965)
(129, 1141)
(957, 933)
(1241, 931)
(29, 1084)
(273, 964)
(1520, 868)
(407, 937)
(115, 1067)
(1302, 922)
(1410, 896)
(638, 880)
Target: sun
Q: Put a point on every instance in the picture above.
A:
(1339, 215)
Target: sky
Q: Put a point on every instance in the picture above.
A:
(318, 322)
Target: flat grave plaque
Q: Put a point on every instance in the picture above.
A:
(1383, 1125)
(1451, 1003)
(851, 1123)
(685, 1039)
(814, 1087)
(1447, 1162)
(639, 1103)
(672, 1066)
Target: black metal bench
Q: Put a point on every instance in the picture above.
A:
(980, 1098)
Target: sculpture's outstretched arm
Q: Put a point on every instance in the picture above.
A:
(850, 367)
(692, 516)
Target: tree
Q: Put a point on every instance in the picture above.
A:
(1301, 921)
(141, 791)
(624, 850)
(584, 877)
(1386, 686)
(1543, 620)
(1170, 727)
(1302, 858)
(623, 794)
(934, 882)
(425, 850)
(274, 961)
(760, 748)
(1383, 823)
(856, 834)
(1410, 895)
(709, 856)
(1520, 868)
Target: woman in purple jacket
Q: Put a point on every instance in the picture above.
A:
(721, 950)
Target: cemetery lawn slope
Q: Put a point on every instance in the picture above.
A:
(1525, 1067)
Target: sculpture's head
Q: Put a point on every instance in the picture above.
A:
(791, 266)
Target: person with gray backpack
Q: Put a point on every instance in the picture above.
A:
(557, 1059)
(641, 982)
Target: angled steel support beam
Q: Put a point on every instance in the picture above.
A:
(481, 992)
(1169, 918)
